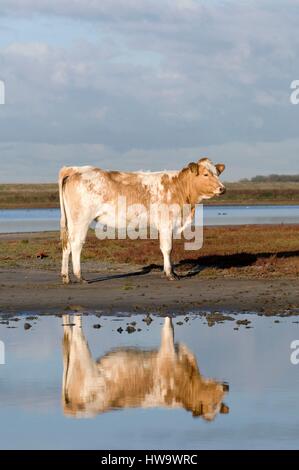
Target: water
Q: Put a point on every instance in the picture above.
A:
(29, 220)
(37, 220)
(224, 389)
(241, 215)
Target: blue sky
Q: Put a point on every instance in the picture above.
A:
(148, 84)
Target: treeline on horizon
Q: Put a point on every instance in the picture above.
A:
(271, 178)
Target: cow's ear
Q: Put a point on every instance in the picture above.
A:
(220, 167)
(193, 167)
(224, 409)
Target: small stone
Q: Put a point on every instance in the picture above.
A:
(243, 322)
(120, 330)
(97, 326)
(130, 329)
(27, 326)
(148, 320)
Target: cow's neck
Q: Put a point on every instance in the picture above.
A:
(186, 189)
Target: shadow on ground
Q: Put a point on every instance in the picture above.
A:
(194, 266)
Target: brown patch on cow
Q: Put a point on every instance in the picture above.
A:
(166, 182)
(128, 185)
(64, 238)
(116, 183)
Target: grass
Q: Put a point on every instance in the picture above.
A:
(260, 193)
(249, 251)
(14, 196)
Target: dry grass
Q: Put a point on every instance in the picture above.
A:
(250, 251)
(14, 196)
(260, 193)
(46, 195)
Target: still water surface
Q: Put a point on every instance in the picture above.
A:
(76, 386)
(37, 220)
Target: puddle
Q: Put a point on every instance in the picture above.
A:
(102, 382)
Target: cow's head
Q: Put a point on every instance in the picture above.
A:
(202, 396)
(208, 403)
(205, 178)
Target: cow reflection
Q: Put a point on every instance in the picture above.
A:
(124, 378)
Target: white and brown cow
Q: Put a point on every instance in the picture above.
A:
(86, 191)
(128, 378)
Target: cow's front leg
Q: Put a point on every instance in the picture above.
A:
(167, 339)
(76, 254)
(166, 248)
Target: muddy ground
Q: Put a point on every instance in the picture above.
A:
(248, 268)
(42, 291)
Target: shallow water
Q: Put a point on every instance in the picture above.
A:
(38, 220)
(143, 393)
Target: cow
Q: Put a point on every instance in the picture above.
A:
(133, 378)
(86, 191)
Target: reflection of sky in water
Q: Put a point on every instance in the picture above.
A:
(263, 395)
(26, 220)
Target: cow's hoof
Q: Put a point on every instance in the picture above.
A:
(173, 277)
(65, 279)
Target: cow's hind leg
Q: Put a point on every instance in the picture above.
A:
(77, 242)
(66, 250)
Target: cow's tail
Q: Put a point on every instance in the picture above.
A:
(63, 175)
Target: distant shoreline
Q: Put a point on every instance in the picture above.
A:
(45, 196)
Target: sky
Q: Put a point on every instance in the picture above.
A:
(148, 85)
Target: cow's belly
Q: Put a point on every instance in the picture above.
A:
(139, 215)
(130, 218)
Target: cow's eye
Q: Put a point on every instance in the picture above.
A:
(206, 174)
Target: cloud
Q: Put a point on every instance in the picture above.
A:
(149, 77)
(39, 162)
(104, 9)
